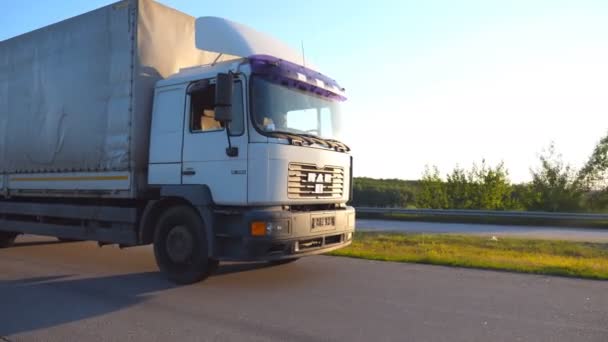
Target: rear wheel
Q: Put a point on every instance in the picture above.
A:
(180, 246)
(7, 239)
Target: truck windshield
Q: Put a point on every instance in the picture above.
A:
(276, 108)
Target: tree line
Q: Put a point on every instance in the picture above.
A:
(555, 187)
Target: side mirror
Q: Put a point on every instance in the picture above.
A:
(223, 97)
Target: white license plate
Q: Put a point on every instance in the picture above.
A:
(324, 222)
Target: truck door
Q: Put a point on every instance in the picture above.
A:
(205, 141)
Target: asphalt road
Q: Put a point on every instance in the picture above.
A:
(77, 292)
(558, 233)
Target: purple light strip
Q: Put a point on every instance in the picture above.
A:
(286, 73)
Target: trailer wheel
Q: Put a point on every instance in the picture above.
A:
(7, 239)
(180, 246)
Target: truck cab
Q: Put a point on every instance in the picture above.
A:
(278, 176)
(261, 135)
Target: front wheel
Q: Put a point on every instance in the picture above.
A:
(180, 246)
(7, 239)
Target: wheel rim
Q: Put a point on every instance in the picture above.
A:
(180, 244)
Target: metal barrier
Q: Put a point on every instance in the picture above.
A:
(485, 213)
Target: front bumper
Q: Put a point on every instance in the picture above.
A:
(298, 236)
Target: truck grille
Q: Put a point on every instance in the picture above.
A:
(308, 181)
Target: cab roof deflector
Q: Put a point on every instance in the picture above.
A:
(231, 38)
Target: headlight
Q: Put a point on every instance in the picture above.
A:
(277, 228)
(270, 228)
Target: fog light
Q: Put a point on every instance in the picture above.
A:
(258, 228)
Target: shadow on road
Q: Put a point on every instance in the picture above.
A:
(43, 302)
(37, 303)
(226, 269)
(40, 243)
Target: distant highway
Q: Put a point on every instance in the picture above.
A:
(560, 233)
(52, 291)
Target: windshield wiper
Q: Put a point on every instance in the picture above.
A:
(335, 144)
(311, 139)
(340, 145)
(291, 136)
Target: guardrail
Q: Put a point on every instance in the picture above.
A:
(485, 213)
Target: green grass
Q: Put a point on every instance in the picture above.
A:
(515, 221)
(562, 258)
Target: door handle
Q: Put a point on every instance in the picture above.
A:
(188, 172)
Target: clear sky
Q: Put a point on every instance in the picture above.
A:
(431, 82)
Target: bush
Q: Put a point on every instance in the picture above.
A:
(482, 187)
(555, 186)
(433, 191)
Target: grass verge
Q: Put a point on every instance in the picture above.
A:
(515, 221)
(561, 258)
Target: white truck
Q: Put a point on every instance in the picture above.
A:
(137, 124)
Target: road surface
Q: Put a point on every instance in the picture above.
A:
(556, 233)
(53, 291)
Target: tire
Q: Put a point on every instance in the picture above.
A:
(283, 261)
(180, 246)
(7, 239)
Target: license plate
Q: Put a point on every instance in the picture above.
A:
(324, 222)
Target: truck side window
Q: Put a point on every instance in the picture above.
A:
(202, 111)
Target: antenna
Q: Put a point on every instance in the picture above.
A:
(303, 55)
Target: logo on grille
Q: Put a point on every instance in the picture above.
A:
(318, 178)
(314, 181)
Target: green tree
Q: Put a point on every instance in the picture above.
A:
(383, 192)
(594, 177)
(554, 186)
(432, 192)
(481, 187)
(491, 186)
(459, 189)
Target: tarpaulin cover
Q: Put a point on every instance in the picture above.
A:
(77, 95)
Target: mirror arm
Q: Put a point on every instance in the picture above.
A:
(223, 106)
(230, 151)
